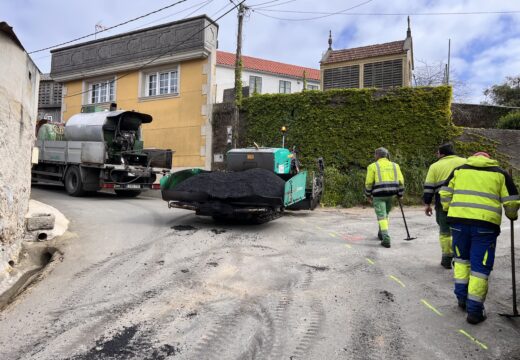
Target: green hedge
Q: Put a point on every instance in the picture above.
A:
(345, 126)
(510, 121)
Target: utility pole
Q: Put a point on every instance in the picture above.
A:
(238, 75)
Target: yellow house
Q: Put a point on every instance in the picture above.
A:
(380, 66)
(167, 71)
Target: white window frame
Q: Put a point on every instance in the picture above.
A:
(164, 86)
(284, 87)
(109, 93)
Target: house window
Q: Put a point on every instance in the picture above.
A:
(255, 84)
(285, 87)
(312, 87)
(162, 83)
(101, 92)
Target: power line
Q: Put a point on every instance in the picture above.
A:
(110, 27)
(382, 14)
(164, 53)
(273, 5)
(315, 17)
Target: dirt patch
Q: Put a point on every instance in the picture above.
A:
(387, 296)
(128, 343)
(184, 228)
(185, 271)
(218, 231)
(191, 314)
(317, 268)
(212, 263)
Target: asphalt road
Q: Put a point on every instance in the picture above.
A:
(310, 285)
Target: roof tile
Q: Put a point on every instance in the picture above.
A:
(364, 52)
(268, 66)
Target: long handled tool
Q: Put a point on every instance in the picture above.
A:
(513, 275)
(408, 238)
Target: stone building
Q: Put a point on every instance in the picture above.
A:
(19, 80)
(380, 66)
(49, 99)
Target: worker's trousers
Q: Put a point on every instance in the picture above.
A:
(474, 250)
(382, 207)
(444, 230)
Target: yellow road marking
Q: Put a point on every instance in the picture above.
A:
(429, 306)
(370, 261)
(332, 234)
(397, 280)
(348, 246)
(481, 344)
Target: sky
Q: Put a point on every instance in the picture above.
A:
(485, 48)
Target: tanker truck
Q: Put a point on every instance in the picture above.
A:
(99, 150)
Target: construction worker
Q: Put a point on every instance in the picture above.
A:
(473, 197)
(437, 175)
(384, 180)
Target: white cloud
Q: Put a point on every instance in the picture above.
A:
(485, 48)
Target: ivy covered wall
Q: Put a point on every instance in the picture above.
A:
(346, 126)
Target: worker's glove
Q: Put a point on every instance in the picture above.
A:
(512, 218)
(428, 210)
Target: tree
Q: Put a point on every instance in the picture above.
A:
(506, 94)
(434, 74)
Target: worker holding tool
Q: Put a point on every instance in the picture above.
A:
(384, 180)
(473, 196)
(437, 175)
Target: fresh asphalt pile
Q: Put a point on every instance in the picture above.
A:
(235, 185)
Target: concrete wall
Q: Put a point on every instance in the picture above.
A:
(19, 79)
(270, 83)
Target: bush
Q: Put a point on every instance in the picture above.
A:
(510, 121)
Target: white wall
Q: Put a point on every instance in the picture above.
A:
(270, 83)
(19, 81)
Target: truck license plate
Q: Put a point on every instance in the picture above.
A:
(250, 156)
(133, 186)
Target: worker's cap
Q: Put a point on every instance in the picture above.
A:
(381, 152)
(482, 153)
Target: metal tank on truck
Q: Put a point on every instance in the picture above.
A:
(100, 150)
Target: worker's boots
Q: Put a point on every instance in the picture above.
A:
(380, 235)
(476, 318)
(446, 261)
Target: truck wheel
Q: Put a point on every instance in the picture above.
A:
(73, 182)
(128, 193)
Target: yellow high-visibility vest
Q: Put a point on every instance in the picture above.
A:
(475, 193)
(384, 178)
(437, 175)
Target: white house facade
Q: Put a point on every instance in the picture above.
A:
(263, 76)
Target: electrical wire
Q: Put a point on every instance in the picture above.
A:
(315, 17)
(272, 6)
(162, 54)
(110, 27)
(505, 12)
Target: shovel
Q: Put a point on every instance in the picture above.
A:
(513, 275)
(408, 238)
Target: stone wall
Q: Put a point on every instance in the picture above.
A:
(508, 142)
(19, 81)
(478, 116)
